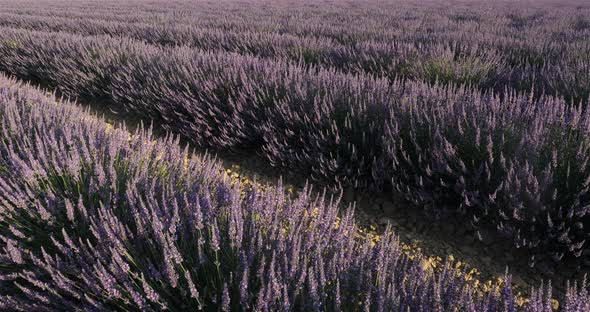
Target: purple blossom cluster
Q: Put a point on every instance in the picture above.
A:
(94, 219)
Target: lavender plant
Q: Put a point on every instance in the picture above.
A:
(517, 164)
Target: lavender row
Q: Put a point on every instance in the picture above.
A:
(94, 219)
(340, 20)
(546, 53)
(513, 163)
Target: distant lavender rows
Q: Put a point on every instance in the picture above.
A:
(527, 173)
(545, 49)
(94, 219)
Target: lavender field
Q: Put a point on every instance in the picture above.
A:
(472, 115)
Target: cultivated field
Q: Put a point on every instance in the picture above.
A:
(458, 131)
